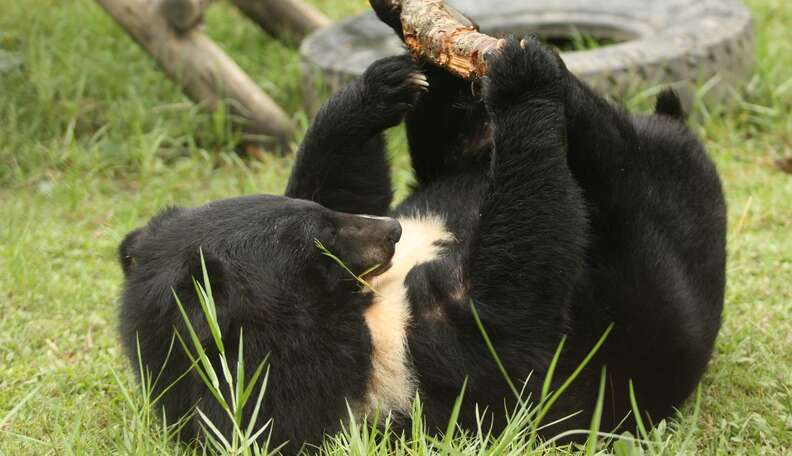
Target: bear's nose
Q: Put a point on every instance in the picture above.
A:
(380, 228)
(393, 230)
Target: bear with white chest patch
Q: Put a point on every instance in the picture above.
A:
(553, 212)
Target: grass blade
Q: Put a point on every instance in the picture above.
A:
(596, 419)
(18, 406)
(545, 407)
(359, 278)
(492, 351)
(637, 412)
(207, 364)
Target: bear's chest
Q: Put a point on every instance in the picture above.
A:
(392, 383)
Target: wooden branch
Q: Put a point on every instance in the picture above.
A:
(284, 19)
(207, 75)
(443, 35)
(183, 14)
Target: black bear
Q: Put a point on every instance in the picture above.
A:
(552, 212)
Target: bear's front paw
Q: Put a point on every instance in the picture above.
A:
(522, 70)
(392, 86)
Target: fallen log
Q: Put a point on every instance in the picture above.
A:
(439, 33)
(206, 74)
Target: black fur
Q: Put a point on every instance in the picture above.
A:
(669, 104)
(568, 215)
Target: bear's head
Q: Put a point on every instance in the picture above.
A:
(259, 239)
(269, 280)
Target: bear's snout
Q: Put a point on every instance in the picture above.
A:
(365, 241)
(371, 228)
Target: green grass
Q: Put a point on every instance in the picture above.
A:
(94, 140)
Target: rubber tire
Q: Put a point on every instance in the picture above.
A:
(670, 42)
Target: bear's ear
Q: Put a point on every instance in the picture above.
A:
(126, 251)
(215, 270)
(188, 295)
(669, 104)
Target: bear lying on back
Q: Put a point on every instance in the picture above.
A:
(553, 212)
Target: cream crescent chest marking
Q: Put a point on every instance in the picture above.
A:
(392, 384)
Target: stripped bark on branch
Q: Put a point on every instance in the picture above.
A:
(441, 34)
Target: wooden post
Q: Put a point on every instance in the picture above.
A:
(284, 19)
(207, 75)
(183, 14)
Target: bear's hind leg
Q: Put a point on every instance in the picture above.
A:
(529, 248)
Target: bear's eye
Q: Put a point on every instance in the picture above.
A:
(328, 234)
